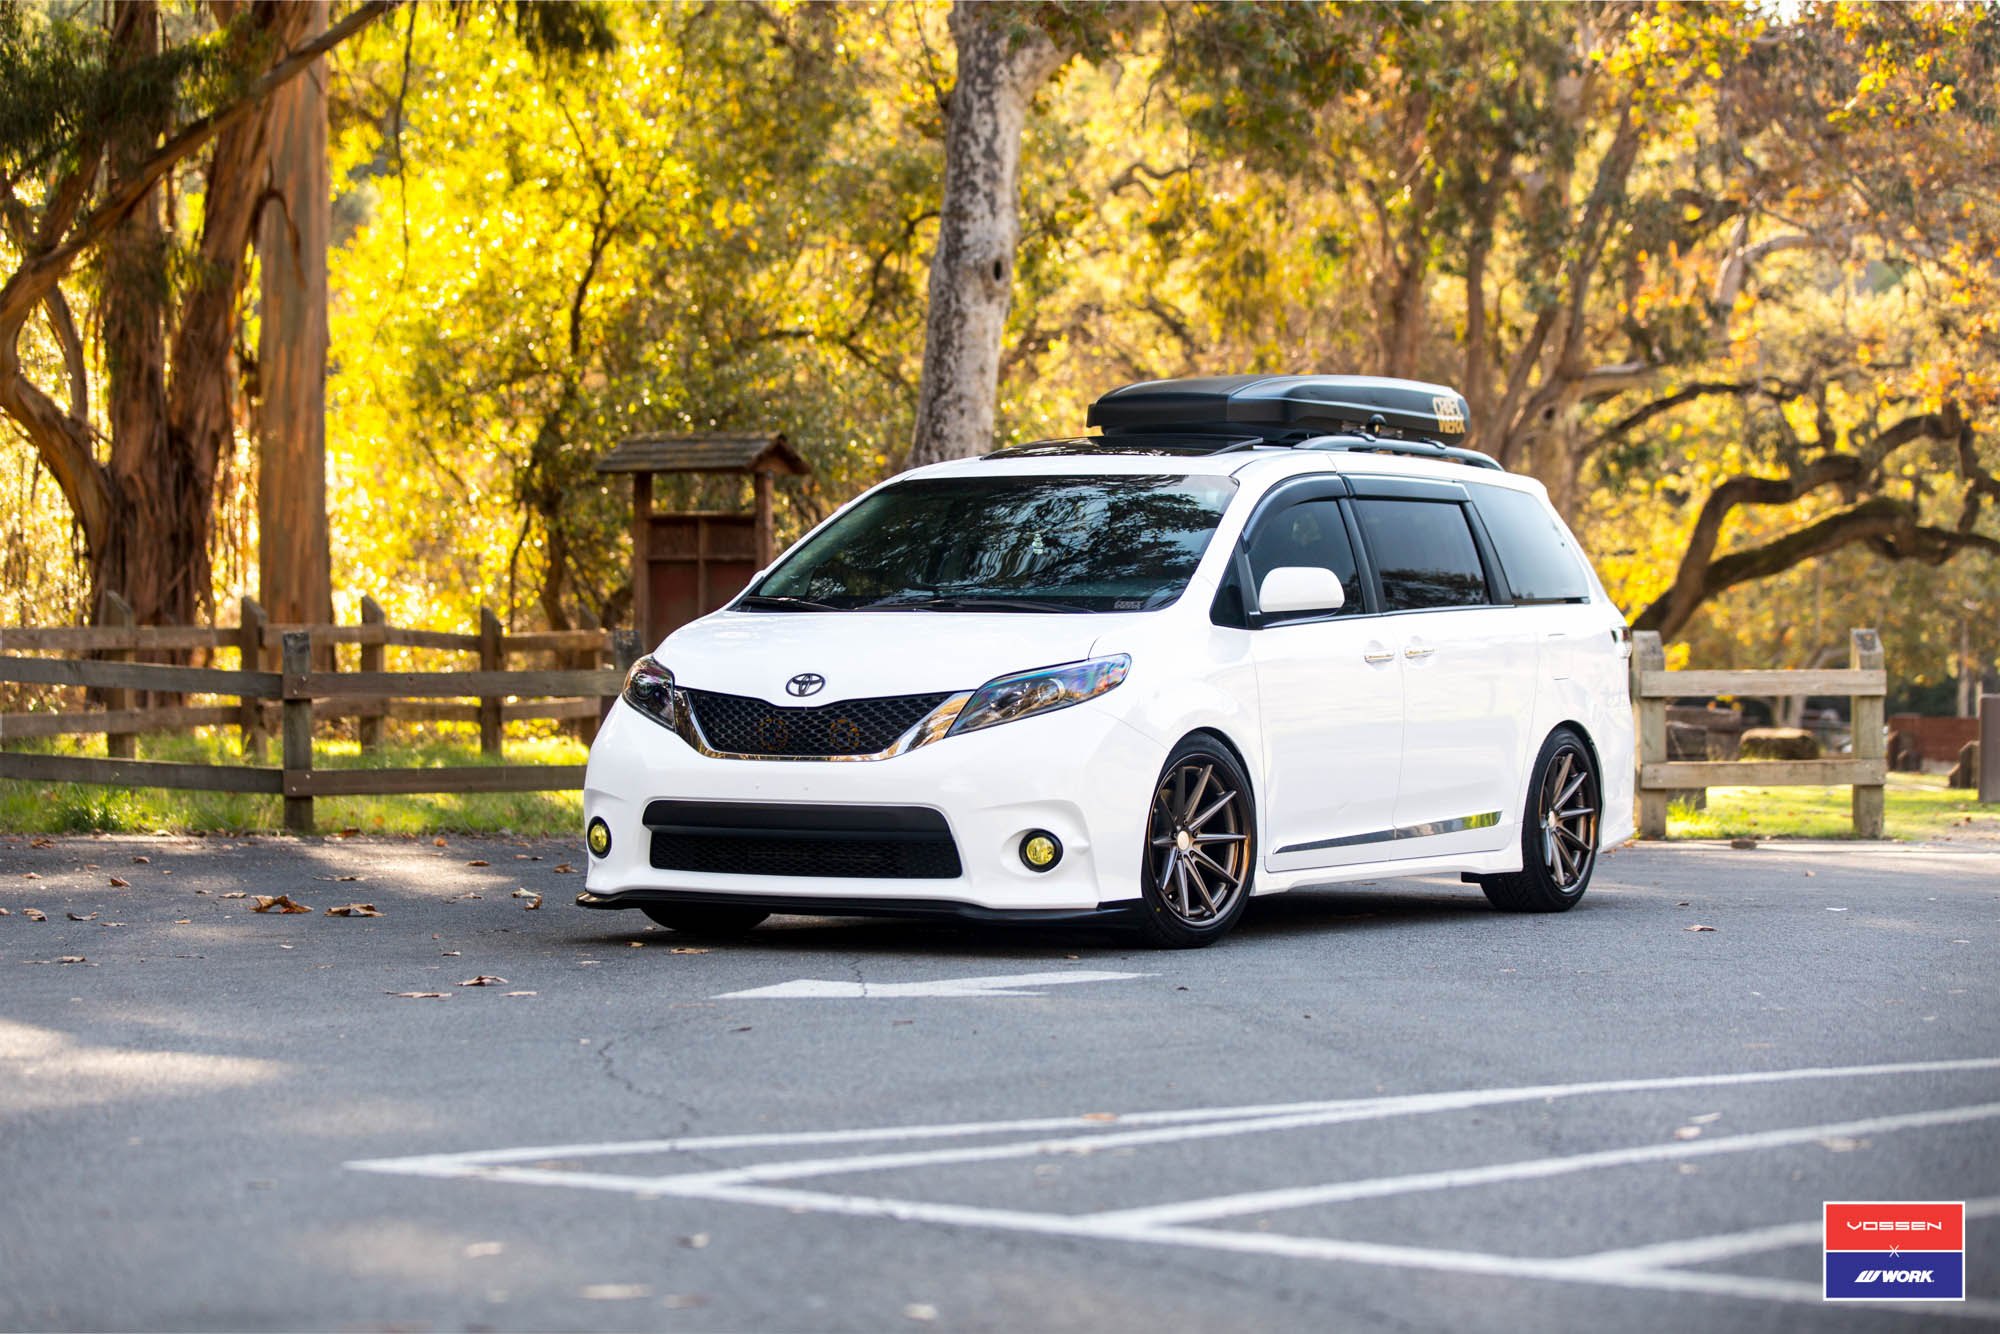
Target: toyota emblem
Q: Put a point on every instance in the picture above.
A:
(805, 683)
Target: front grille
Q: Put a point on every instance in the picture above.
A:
(820, 842)
(743, 726)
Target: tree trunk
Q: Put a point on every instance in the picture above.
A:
(135, 347)
(972, 271)
(294, 561)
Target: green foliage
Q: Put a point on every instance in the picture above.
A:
(1917, 808)
(58, 89)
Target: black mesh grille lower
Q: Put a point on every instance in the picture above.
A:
(817, 842)
(744, 726)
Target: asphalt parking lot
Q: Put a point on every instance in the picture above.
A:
(1382, 1107)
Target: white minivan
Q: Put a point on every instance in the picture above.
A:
(1260, 632)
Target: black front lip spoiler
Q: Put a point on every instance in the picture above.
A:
(816, 906)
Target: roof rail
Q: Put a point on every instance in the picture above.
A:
(1411, 448)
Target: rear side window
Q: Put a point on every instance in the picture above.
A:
(1540, 558)
(1424, 552)
(1308, 533)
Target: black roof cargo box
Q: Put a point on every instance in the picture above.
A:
(1272, 405)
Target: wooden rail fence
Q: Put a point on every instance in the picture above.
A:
(1864, 681)
(297, 694)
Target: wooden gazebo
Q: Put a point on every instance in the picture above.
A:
(686, 564)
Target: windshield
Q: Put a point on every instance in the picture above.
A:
(1005, 544)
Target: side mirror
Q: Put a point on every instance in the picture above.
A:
(1291, 588)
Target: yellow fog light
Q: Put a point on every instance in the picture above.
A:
(598, 836)
(1040, 850)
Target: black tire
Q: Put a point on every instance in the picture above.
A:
(1200, 860)
(1558, 831)
(711, 920)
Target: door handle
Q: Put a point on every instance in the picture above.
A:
(1383, 656)
(1414, 652)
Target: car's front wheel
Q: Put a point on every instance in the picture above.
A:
(1558, 831)
(1200, 854)
(712, 920)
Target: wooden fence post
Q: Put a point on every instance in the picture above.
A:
(1650, 655)
(250, 647)
(370, 726)
(298, 728)
(624, 652)
(116, 611)
(490, 660)
(1865, 654)
(590, 659)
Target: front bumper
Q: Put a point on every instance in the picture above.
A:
(1079, 773)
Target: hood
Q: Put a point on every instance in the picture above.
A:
(864, 655)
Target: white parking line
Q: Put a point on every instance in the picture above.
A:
(1706, 1250)
(1341, 1192)
(1644, 1268)
(812, 988)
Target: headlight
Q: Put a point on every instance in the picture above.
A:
(649, 688)
(1006, 698)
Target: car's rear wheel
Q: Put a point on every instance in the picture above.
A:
(1200, 855)
(711, 920)
(1558, 831)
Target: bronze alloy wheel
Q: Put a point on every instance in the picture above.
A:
(1558, 831)
(1199, 847)
(1568, 805)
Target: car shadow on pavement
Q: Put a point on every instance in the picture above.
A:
(1280, 916)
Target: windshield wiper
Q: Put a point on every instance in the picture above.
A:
(775, 602)
(974, 604)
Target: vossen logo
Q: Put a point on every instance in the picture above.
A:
(1909, 1250)
(1896, 1225)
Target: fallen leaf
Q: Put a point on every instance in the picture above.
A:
(1811, 874)
(448, 954)
(688, 949)
(484, 980)
(564, 868)
(6, 912)
(81, 916)
(72, 958)
(34, 914)
(1100, 1116)
(1697, 927)
(142, 861)
(354, 910)
(204, 891)
(182, 921)
(920, 1311)
(41, 842)
(483, 1248)
(524, 893)
(234, 894)
(1705, 1119)
(1743, 844)
(282, 903)
(116, 883)
(347, 833)
(338, 879)
(745, 1029)
(287, 947)
(636, 944)
(524, 993)
(532, 904)
(695, 1242)
(614, 1292)
(1688, 1132)
(30, 875)
(420, 995)
(1684, 903)
(479, 862)
(438, 843)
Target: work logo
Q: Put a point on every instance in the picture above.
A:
(1907, 1251)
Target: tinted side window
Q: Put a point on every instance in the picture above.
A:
(1424, 552)
(1540, 559)
(1308, 533)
